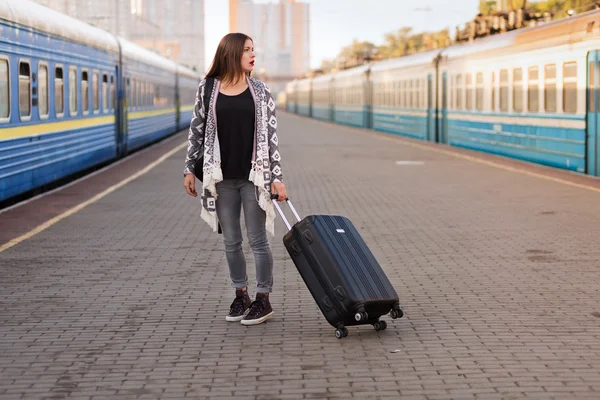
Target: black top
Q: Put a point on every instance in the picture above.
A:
(235, 126)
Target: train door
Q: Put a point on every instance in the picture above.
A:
(123, 103)
(593, 120)
(177, 104)
(443, 134)
(118, 110)
(332, 102)
(28, 90)
(368, 106)
(431, 115)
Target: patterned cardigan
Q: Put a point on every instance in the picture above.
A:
(266, 160)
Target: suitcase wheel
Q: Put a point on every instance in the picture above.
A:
(396, 313)
(361, 316)
(380, 325)
(341, 332)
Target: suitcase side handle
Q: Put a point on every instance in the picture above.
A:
(274, 198)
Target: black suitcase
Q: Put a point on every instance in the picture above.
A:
(340, 271)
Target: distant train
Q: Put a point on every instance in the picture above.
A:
(529, 94)
(73, 96)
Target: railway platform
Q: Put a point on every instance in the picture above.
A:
(114, 288)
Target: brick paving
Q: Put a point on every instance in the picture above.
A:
(497, 273)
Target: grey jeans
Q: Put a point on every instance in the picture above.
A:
(232, 195)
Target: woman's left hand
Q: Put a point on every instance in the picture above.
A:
(279, 188)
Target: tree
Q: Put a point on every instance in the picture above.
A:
(356, 53)
(395, 43)
(487, 7)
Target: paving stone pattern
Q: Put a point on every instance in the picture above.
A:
(497, 273)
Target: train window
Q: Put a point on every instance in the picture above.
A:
(95, 92)
(479, 91)
(429, 94)
(518, 89)
(469, 91)
(73, 91)
(143, 94)
(459, 92)
(113, 93)
(24, 89)
(104, 92)
(591, 88)
(504, 90)
(133, 93)
(451, 93)
(129, 99)
(85, 92)
(533, 89)
(493, 91)
(570, 87)
(550, 88)
(147, 95)
(43, 91)
(137, 93)
(418, 93)
(59, 95)
(403, 94)
(4, 89)
(424, 92)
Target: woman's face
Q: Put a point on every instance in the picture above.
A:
(248, 56)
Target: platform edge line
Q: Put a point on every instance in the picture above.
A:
(79, 207)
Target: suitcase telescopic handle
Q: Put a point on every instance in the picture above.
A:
(274, 197)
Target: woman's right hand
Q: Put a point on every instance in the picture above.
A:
(190, 185)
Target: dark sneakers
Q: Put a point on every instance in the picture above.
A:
(260, 311)
(239, 306)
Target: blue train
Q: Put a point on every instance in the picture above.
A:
(73, 97)
(529, 94)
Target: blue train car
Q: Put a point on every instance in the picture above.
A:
(303, 97)
(74, 97)
(150, 82)
(187, 83)
(511, 96)
(57, 111)
(351, 97)
(402, 96)
(322, 101)
(290, 97)
(529, 94)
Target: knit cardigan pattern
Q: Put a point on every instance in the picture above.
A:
(266, 160)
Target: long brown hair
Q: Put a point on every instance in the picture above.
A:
(227, 64)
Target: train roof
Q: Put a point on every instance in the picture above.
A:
(188, 72)
(352, 71)
(138, 53)
(303, 81)
(556, 31)
(322, 78)
(407, 61)
(44, 19)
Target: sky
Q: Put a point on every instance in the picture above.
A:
(335, 23)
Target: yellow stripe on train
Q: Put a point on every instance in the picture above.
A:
(52, 127)
(154, 113)
(59, 126)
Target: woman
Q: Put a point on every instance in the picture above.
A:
(241, 168)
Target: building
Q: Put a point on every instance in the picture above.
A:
(281, 37)
(173, 29)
